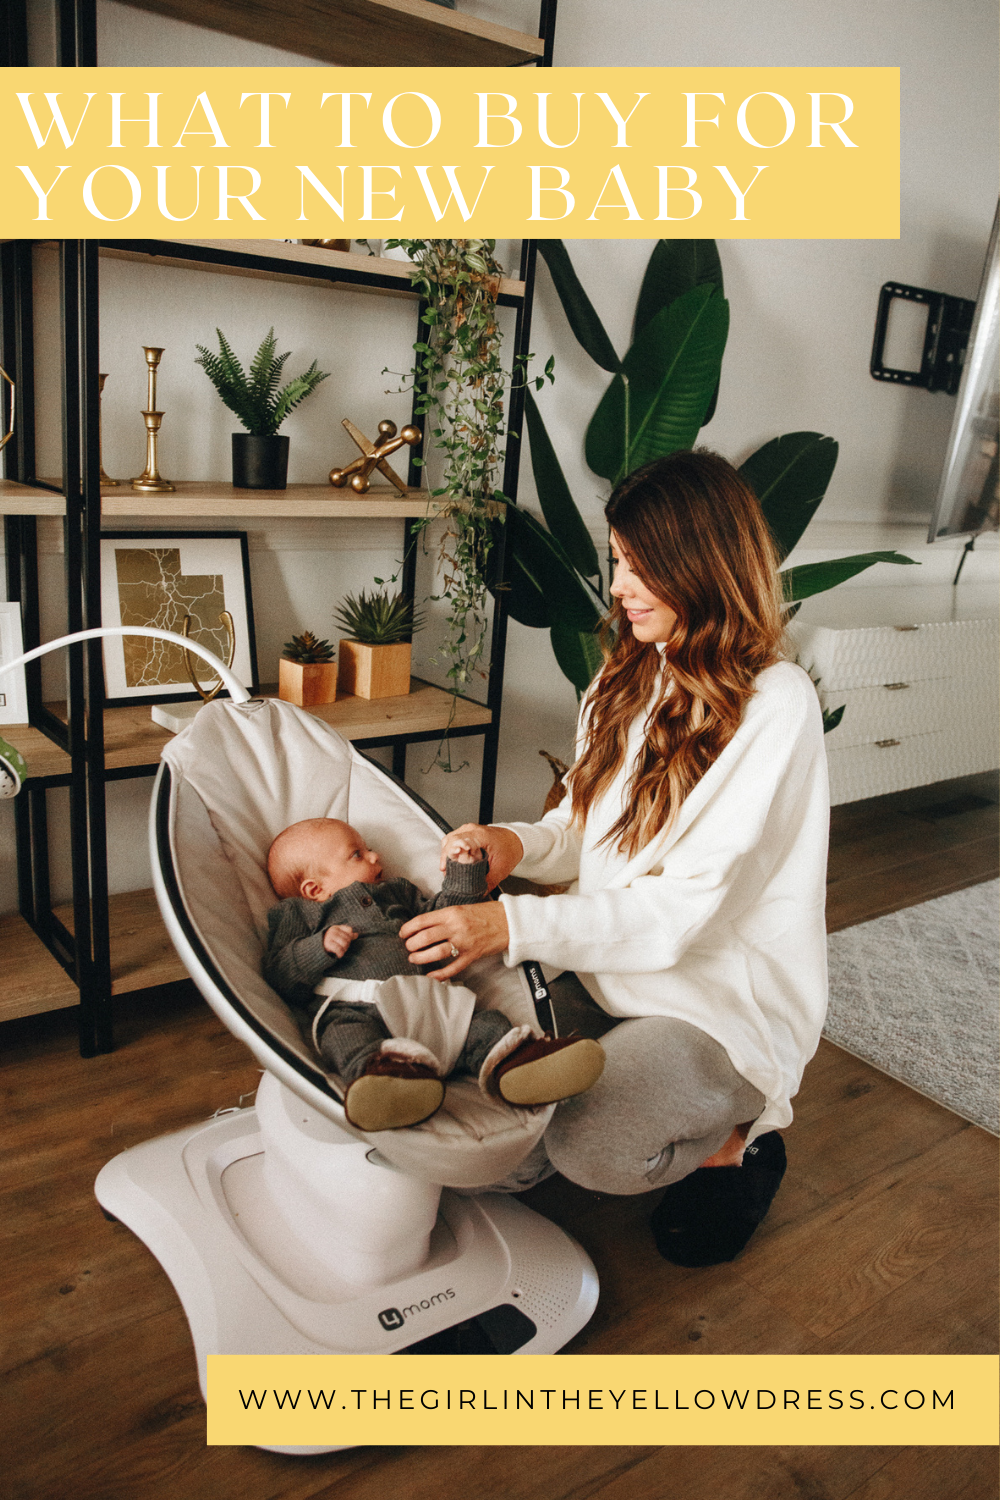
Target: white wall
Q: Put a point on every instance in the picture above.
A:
(802, 319)
(803, 311)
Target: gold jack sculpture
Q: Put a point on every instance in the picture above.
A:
(150, 481)
(227, 620)
(358, 473)
(328, 244)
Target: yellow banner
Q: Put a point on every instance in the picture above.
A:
(591, 1400)
(575, 153)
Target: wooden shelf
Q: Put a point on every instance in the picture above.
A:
(43, 757)
(131, 738)
(360, 33)
(209, 498)
(142, 955)
(30, 979)
(423, 710)
(280, 260)
(25, 500)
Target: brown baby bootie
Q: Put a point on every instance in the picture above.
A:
(543, 1070)
(395, 1090)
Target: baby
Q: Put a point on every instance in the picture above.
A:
(338, 926)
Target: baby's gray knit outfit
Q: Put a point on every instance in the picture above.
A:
(351, 1032)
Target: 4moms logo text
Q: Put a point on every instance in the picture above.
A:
(392, 1318)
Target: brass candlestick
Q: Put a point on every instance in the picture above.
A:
(150, 480)
(6, 436)
(105, 478)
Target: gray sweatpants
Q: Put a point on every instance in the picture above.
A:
(667, 1099)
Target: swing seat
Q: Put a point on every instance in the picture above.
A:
(283, 1228)
(226, 787)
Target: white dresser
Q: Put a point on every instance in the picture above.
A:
(916, 670)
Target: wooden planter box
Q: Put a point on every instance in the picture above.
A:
(307, 683)
(374, 671)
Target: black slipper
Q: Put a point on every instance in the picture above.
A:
(710, 1215)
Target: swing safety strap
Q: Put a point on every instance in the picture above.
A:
(540, 995)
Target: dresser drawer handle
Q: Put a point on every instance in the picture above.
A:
(886, 744)
(894, 687)
(906, 627)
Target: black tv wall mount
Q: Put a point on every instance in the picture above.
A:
(949, 320)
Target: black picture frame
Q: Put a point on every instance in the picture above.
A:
(234, 563)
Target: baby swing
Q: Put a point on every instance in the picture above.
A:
(282, 1227)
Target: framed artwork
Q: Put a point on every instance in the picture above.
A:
(159, 579)
(13, 693)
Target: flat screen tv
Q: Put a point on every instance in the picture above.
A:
(968, 501)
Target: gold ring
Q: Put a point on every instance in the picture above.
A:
(454, 952)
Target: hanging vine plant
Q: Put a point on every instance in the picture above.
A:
(459, 379)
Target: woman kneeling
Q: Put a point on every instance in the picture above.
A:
(695, 832)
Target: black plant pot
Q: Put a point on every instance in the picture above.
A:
(259, 463)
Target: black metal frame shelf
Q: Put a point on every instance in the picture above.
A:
(85, 952)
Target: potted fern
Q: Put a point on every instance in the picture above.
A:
(260, 455)
(375, 654)
(307, 671)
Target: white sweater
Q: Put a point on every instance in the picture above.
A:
(720, 920)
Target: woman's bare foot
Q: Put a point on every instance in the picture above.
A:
(730, 1153)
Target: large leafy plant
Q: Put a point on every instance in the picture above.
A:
(661, 394)
(255, 398)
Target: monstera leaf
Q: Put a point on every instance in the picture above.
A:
(815, 578)
(583, 320)
(578, 654)
(558, 506)
(676, 266)
(658, 402)
(789, 476)
(545, 588)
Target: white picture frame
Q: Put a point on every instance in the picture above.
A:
(13, 688)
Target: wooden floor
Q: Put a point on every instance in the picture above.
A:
(891, 852)
(882, 1239)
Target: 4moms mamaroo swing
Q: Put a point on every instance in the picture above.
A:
(283, 1229)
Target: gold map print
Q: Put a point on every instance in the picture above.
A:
(153, 591)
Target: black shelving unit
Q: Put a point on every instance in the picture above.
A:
(85, 952)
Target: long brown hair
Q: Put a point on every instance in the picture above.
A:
(696, 537)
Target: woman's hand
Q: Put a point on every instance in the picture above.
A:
(501, 847)
(473, 931)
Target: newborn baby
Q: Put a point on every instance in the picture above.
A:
(337, 927)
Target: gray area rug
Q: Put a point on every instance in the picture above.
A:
(916, 995)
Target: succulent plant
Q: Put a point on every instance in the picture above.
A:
(378, 619)
(306, 648)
